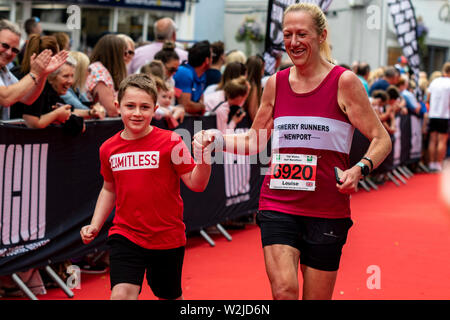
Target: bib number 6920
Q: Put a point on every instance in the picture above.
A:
(292, 171)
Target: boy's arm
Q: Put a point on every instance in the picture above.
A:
(198, 178)
(105, 204)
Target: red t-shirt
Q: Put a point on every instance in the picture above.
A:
(146, 175)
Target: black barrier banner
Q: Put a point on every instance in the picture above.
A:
(405, 129)
(274, 29)
(50, 182)
(415, 153)
(402, 11)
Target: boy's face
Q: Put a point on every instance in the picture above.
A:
(136, 109)
(164, 98)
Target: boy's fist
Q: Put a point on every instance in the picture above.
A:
(88, 233)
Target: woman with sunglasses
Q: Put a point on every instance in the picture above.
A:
(171, 61)
(129, 51)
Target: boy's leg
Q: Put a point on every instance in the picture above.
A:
(125, 291)
(127, 268)
(164, 269)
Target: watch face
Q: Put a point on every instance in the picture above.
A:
(365, 170)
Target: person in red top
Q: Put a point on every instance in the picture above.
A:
(312, 109)
(141, 167)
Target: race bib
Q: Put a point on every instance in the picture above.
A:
(293, 172)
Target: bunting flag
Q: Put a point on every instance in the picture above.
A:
(274, 30)
(402, 11)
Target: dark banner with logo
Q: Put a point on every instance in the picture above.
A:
(166, 5)
(402, 12)
(49, 184)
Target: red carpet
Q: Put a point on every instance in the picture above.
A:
(402, 231)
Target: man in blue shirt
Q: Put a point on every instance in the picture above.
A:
(391, 76)
(190, 78)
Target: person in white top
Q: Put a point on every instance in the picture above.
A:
(439, 115)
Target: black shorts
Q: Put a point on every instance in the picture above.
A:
(438, 125)
(319, 240)
(129, 262)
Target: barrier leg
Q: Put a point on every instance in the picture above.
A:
(364, 185)
(59, 281)
(207, 238)
(402, 171)
(423, 167)
(408, 171)
(399, 176)
(223, 231)
(370, 183)
(391, 177)
(23, 287)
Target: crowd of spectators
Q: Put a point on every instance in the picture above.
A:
(45, 83)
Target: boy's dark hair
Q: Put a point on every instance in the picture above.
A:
(392, 92)
(140, 81)
(198, 53)
(380, 94)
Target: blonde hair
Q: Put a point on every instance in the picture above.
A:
(235, 56)
(434, 75)
(81, 69)
(127, 39)
(320, 22)
(375, 75)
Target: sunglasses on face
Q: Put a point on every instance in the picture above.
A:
(129, 53)
(172, 70)
(7, 46)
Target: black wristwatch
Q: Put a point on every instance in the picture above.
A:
(365, 170)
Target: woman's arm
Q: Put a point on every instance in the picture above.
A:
(353, 100)
(59, 115)
(105, 97)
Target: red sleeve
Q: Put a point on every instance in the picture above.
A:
(181, 156)
(105, 167)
